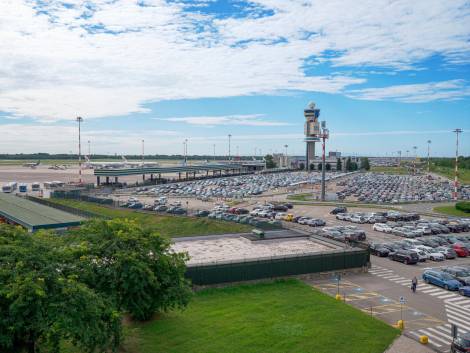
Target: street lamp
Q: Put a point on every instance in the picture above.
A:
(287, 163)
(214, 150)
(399, 158)
(89, 149)
(143, 152)
(229, 138)
(429, 146)
(456, 180)
(79, 120)
(185, 151)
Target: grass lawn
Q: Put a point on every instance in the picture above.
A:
(389, 170)
(172, 226)
(451, 210)
(464, 174)
(275, 317)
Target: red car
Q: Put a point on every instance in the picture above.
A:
(461, 250)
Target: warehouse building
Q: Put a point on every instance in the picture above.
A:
(34, 216)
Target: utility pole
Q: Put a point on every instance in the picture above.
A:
(429, 163)
(324, 135)
(79, 119)
(456, 179)
(229, 138)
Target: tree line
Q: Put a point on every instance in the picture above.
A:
(74, 289)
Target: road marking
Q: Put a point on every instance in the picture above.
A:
(441, 292)
(447, 296)
(454, 299)
(461, 302)
(434, 337)
(430, 340)
(430, 290)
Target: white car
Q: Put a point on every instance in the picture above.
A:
(421, 254)
(382, 227)
(434, 255)
(280, 216)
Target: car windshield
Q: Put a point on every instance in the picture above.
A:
(463, 273)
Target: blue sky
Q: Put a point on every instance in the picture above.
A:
(386, 75)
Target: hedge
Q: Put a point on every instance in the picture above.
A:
(463, 206)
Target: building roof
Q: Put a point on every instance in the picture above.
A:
(34, 216)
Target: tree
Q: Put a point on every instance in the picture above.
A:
(320, 166)
(365, 163)
(312, 166)
(348, 164)
(301, 166)
(354, 166)
(328, 166)
(40, 306)
(270, 161)
(339, 166)
(131, 265)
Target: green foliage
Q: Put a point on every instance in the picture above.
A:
(451, 210)
(463, 206)
(301, 166)
(40, 305)
(327, 166)
(320, 166)
(312, 166)
(348, 164)
(131, 266)
(270, 161)
(339, 164)
(365, 163)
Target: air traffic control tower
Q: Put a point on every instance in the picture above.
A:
(312, 132)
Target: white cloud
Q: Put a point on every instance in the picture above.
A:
(101, 58)
(236, 120)
(416, 93)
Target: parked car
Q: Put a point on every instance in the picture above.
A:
(379, 250)
(461, 344)
(465, 291)
(337, 210)
(405, 256)
(461, 250)
(459, 273)
(447, 252)
(441, 279)
(202, 213)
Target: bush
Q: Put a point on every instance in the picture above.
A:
(463, 206)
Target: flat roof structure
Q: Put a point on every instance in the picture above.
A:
(34, 216)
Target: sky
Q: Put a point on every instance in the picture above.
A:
(387, 75)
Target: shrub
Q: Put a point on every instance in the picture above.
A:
(463, 206)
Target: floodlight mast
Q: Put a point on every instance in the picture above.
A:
(456, 176)
(429, 163)
(324, 135)
(79, 119)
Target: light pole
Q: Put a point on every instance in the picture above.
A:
(456, 179)
(79, 119)
(429, 163)
(238, 155)
(89, 149)
(324, 135)
(185, 151)
(399, 158)
(229, 140)
(287, 163)
(213, 146)
(414, 159)
(143, 152)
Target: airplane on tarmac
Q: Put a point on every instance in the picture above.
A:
(125, 163)
(32, 165)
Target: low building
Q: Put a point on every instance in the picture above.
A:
(34, 216)
(296, 162)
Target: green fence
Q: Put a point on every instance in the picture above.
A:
(206, 274)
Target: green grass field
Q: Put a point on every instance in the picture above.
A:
(276, 317)
(389, 170)
(172, 226)
(451, 211)
(464, 174)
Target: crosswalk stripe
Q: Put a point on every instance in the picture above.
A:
(438, 293)
(441, 333)
(389, 276)
(431, 338)
(403, 281)
(458, 320)
(431, 290)
(453, 300)
(446, 296)
(461, 302)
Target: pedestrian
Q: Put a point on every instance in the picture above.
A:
(414, 284)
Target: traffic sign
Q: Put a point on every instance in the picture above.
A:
(402, 300)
